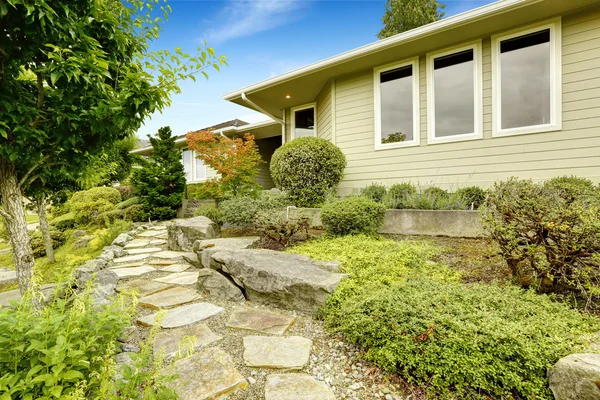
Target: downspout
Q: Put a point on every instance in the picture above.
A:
(262, 110)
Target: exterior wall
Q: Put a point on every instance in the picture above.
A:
(324, 113)
(573, 151)
(266, 148)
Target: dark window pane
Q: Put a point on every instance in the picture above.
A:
(397, 105)
(454, 94)
(305, 122)
(525, 80)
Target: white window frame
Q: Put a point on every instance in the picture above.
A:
(555, 26)
(293, 117)
(416, 141)
(477, 85)
(193, 167)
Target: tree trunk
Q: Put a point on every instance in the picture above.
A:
(41, 209)
(16, 225)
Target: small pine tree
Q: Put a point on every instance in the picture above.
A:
(404, 15)
(160, 182)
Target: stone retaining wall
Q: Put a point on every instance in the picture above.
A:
(453, 223)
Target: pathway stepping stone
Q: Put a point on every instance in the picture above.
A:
(176, 255)
(144, 250)
(131, 259)
(149, 234)
(7, 277)
(137, 243)
(169, 298)
(163, 262)
(259, 320)
(143, 287)
(133, 271)
(175, 268)
(180, 278)
(171, 340)
(276, 352)
(182, 316)
(207, 375)
(296, 387)
(158, 242)
(128, 265)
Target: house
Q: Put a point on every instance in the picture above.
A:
(266, 133)
(508, 89)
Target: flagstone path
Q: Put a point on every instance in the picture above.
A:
(241, 350)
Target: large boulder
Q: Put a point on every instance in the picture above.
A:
(218, 285)
(576, 377)
(289, 281)
(183, 233)
(206, 248)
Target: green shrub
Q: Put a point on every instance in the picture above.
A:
(549, 233)
(112, 230)
(472, 196)
(64, 222)
(133, 213)
(125, 191)
(434, 198)
(352, 216)
(308, 169)
(37, 241)
(200, 191)
(398, 193)
(242, 211)
(59, 209)
(278, 226)
(210, 211)
(109, 217)
(61, 350)
(128, 203)
(375, 192)
(87, 205)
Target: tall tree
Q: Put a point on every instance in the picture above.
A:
(95, 82)
(160, 182)
(404, 15)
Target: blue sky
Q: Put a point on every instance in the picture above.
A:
(261, 39)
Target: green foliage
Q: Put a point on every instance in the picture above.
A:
(375, 192)
(212, 212)
(352, 216)
(242, 211)
(278, 226)
(113, 229)
(549, 233)
(398, 193)
(472, 196)
(308, 169)
(133, 213)
(128, 203)
(89, 205)
(110, 216)
(60, 350)
(64, 221)
(37, 241)
(126, 192)
(199, 191)
(110, 166)
(404, 15)
(160, 183)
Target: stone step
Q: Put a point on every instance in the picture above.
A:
(289, 353)
(133, 271)
(144, 250)
(143, 287)
(183, 315)
(175, 268)
(296, 387)
(180, 278)
(257, 320)
(169, 298)
(7, 277)
(178, 340)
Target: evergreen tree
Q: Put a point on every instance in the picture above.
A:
(404, 15)
(160, 182)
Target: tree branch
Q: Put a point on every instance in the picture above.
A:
(33, 168)
(40, 99)
(6, 215)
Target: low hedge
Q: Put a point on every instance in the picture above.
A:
(64, 222)
(353, 215)
(242, 211)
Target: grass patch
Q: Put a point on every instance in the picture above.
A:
(32, 218)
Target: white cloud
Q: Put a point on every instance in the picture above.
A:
(246, 17)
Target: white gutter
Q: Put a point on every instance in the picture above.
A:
(417, 33)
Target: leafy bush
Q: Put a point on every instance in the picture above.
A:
(242, 211)
(133, 213)
(112, 230)
(37, 241)
(278, 226)
(308, 169)
(398, 193)
(109, 217)
(549, 233)
(160, 182)
(125, 191)
(352, 216)
(471, 196)
(128, 203)
(60, 350)
(200, 191)
(87, 205)
(64, 222)
(375, 192)
(210, 211)
(433, 198)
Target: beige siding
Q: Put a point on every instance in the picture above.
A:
(574, 150)
(324, 113)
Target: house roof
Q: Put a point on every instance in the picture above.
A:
(302, 85)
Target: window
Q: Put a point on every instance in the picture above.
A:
(194, 168)
(186, 156)
(199, 169)
(304, 121)
(397, 105)
(526, 80)
(454, 96)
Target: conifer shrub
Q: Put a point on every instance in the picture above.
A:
(353, 215)
(160, 182)
(307, 169)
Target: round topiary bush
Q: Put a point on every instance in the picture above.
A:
(353, 215)
(308, 169)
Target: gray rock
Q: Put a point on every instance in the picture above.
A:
(182, 316)
(122, 240)
(296, 386)
(103, 277)
(107, 255)
(79, 233)
(175, 341)
(117, 250)
(331, 266)
(82, 242)
(206, 248)
(290, 352)
(290, 281)
(7, 277)
(576, 377)
(183, 233)
(218, 285)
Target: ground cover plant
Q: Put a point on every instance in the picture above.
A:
(415, 317)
